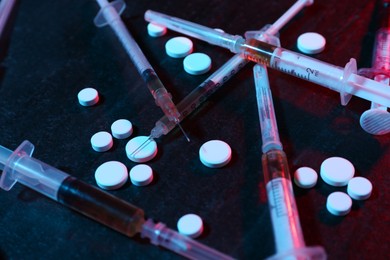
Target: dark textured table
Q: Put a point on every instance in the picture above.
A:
(54, 50)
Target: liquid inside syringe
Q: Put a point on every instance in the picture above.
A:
(284, 212)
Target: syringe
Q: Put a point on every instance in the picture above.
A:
(19, 166)
(343, 80)
(110, 14)
(200, 94)
(376, 120)
(284, 213)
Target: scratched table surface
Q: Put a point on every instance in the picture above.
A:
(52, 50)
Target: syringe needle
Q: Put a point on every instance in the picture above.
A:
(184, 133)
(142, 146)
(151, 138)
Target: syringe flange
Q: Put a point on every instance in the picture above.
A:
(8, 180)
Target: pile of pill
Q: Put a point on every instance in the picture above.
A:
(182, 47)
(114, 174)
(337, 172)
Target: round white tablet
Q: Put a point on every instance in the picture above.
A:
(337, 171)
(339, 203)
(121, 128)
(88, 97)
(178, 47)
(311, 43)
(156, 30)
(146, 154)
(305, 177)
(190, 225)
(101, 141)
(111, 175)
(141, 175)
(197, 63)
(359, 188)
(215, 153)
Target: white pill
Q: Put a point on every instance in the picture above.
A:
(121, 128)
(178, 47)
(156, 30)
(311, 43)
(143, 155)
(88, 97)
(190, 225)
(197, 63)
(359, 188)
(215, 153)
(339, 203)
(219, 30)
(305, 177)
(141, 175)
(101, 141)
(337, 171)
(111, 175)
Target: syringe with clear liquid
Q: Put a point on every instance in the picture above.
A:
(343, 80)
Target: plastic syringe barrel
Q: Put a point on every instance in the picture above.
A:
(106, 209)
(268, 125)
(343, 80)
(284, 213)
(109, 15)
